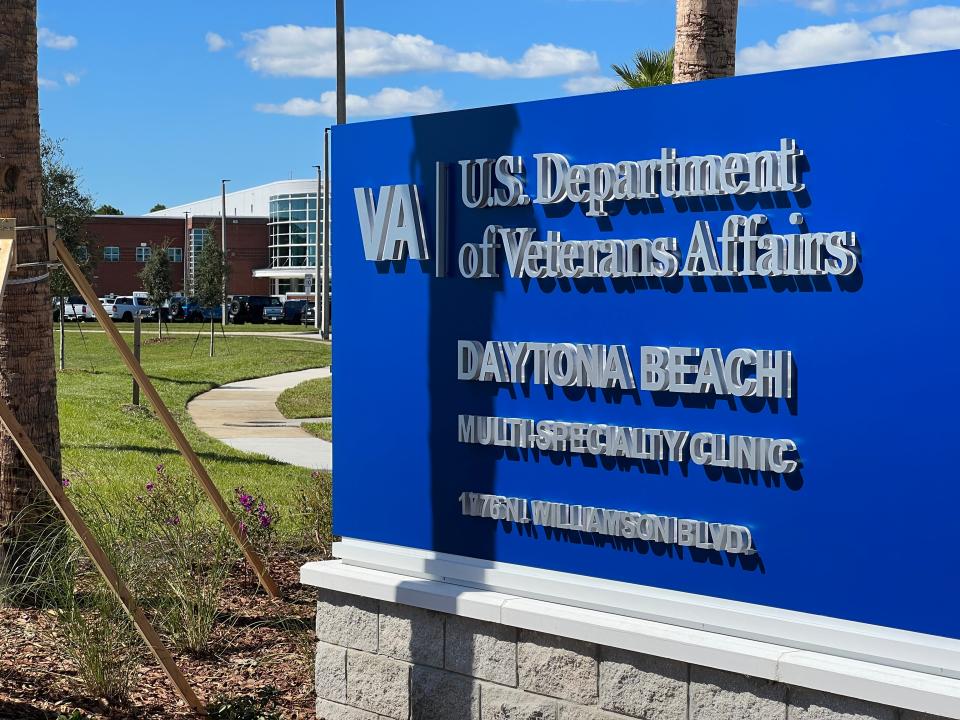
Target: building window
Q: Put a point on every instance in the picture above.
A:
(111, 254)
(175, 255)
(143, 253)
(293, 230)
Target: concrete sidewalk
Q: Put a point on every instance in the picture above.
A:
(244, 415)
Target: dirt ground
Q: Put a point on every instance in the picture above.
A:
(260, 643)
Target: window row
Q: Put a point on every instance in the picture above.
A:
(111, 253)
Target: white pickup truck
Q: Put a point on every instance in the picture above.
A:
(74, 308)
(125, 308)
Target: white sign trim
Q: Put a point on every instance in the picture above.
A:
(928, 654)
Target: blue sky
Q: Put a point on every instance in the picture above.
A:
(155, 102)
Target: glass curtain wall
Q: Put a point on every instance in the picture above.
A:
(293, 237)
(198, 236)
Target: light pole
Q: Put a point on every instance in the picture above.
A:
(186, 250)
(223, 245)
(341, 68)
(319, 290)
(324, 307)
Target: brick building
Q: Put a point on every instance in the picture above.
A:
(123, 243)
(272, 233)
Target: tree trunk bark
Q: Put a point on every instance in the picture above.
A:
(212, 335)
(63, 338)
(28, 380)
(706, 40)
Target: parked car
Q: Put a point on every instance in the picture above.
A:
(310, 314)
(125, 308)
(74, 308)
(293, 311)
(255, 309)
(190, 310)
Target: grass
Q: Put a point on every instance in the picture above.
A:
(108, 444)
(150, 326)
(322, 430)
(310, 399)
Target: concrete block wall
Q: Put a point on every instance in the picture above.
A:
(382, 661)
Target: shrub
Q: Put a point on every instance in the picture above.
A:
(258, 522)
(191, 554)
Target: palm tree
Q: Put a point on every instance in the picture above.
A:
(650, 67)
(28, 379)
(706, 40)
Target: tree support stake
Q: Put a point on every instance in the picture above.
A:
(163, 413)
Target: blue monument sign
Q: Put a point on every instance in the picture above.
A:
(695, 338)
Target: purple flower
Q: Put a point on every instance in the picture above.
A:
(65, 482)
(175, 520)
(245, 499)
(265, 521)
(149, 486)
(160, 468)
(261, 507)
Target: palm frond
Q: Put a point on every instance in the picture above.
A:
(650, 67)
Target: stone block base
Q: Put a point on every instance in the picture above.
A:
(378, 660)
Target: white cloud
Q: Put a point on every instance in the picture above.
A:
(387, 102)
(293, 50)
(923, 30)
(589, 84)
(47, 83)
(215, 42)
(827, 7)
(874, 5)
(71, 79)
(49, 39)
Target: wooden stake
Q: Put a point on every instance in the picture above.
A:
(8, 249)
(99, 557)
(75, 521)
(253, 558)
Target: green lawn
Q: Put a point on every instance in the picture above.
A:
(322, 430)
(310, 399)
(150, 326)
(107, 444)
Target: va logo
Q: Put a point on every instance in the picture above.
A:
(392, 223)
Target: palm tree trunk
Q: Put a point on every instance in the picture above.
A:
(27, 369)
(706, 40)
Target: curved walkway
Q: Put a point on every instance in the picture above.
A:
(244, 415)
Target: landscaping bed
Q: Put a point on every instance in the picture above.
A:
(58, 653)
(260, 643)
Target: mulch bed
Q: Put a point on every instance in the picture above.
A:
(261, 643)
